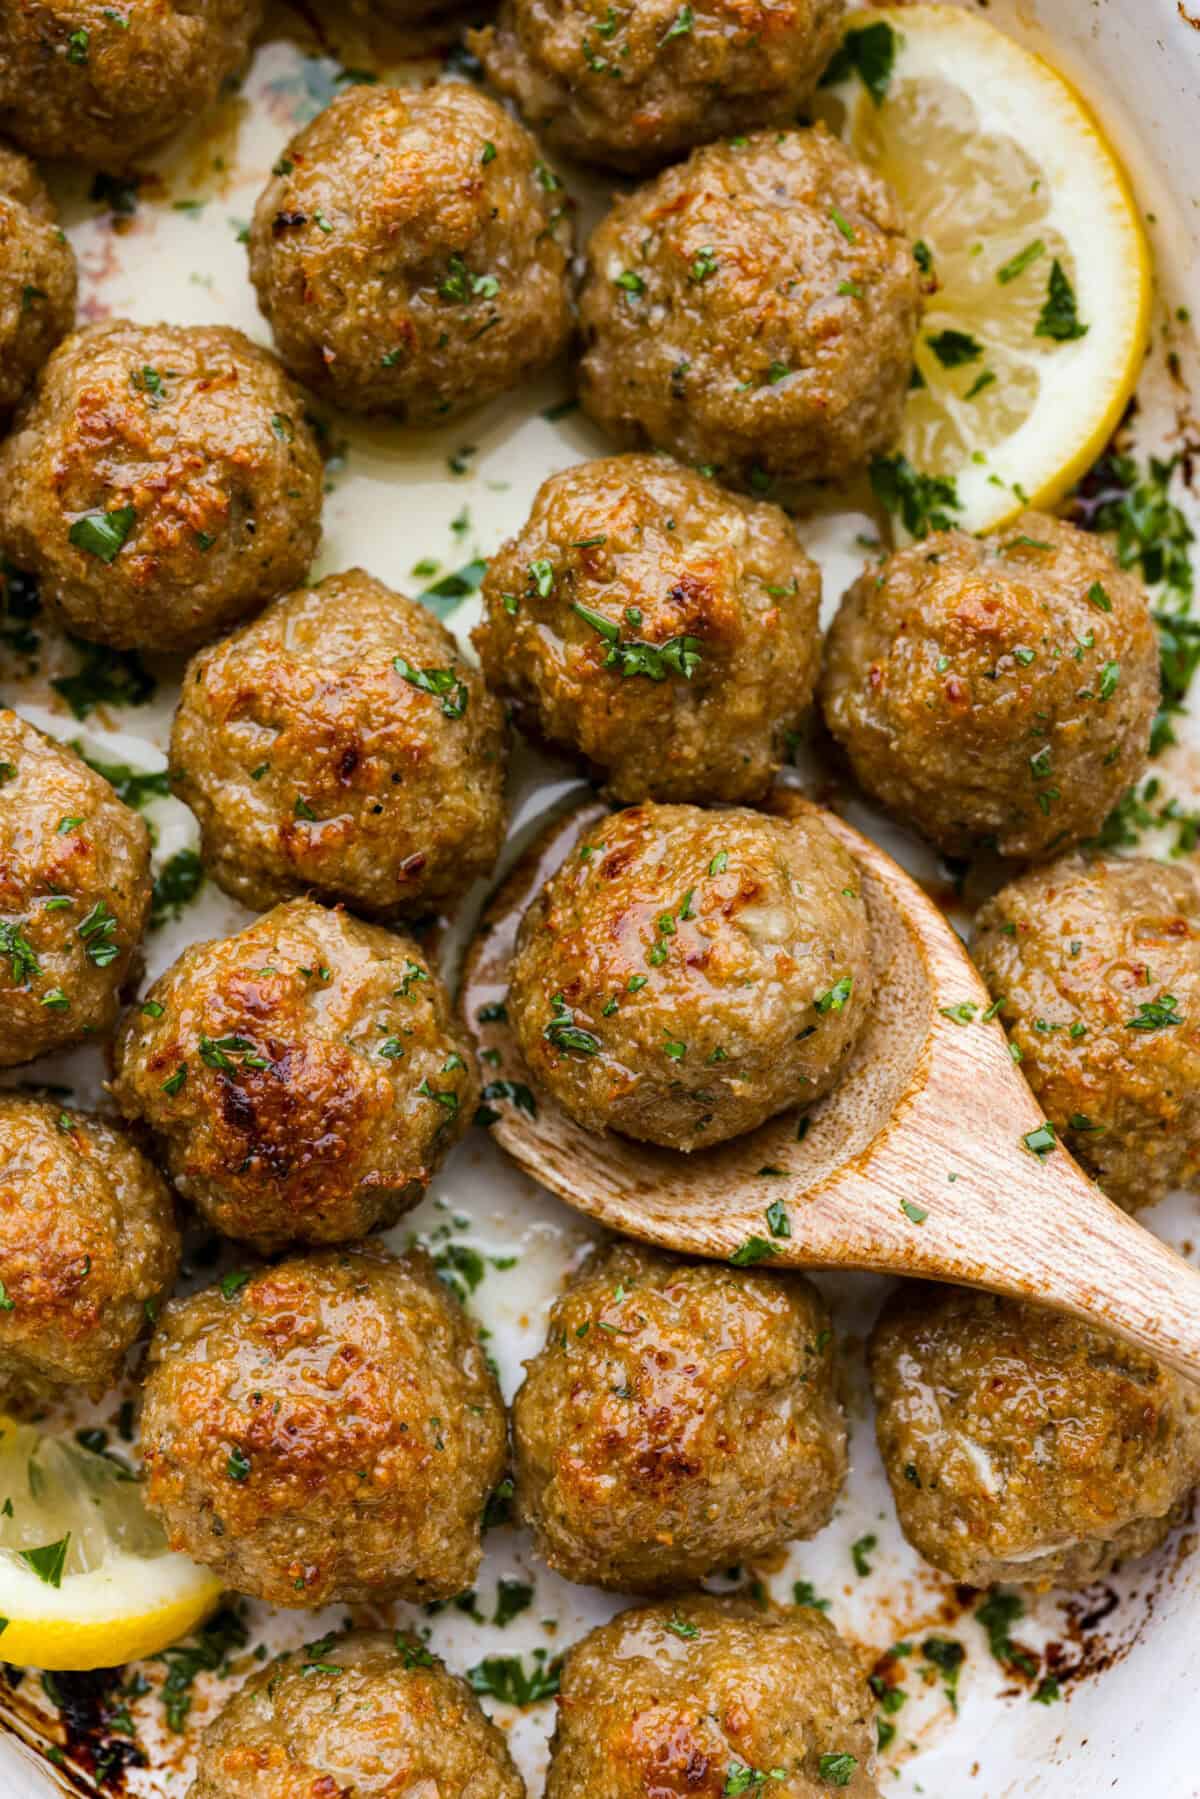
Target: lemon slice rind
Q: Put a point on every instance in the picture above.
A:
(129, 1607)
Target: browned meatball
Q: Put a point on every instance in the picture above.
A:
(659, 627)
(995, 692)
(74, 894)
(709, 1697)
(37, 277)
(753, 310)
(685, 974)
(161, 483)
(351, 1718)
(338, 743)
(635, 86)
(327, 1430)
(99, 83)
(1097, 966)
(1022, 1445)
(411, 251)
(88, 1247)
(305, 1077)
(681, 1417)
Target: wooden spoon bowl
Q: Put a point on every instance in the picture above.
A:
(928, 1159)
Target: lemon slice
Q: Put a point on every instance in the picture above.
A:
(86, 1578)
(1039, 315)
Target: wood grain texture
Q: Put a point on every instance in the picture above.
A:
(931, 1115)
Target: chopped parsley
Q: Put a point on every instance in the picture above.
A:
(962, 1013)
(105, 678)
(1156, 1014)
(1017, 265)
(703, 266)
(442, 683)
(98, 932)
(680, 25)
(997, 1614)
(506, 1678)
(868, 52)
(48, 1561)
(837, 1770)
(564, 1033)
(754, 1249)
(514, 1092)
(1041, 1141)
(954, 349)
(1059, 318)
(177, 882)
(207, 1652)
(20, 952)
(103, 534)
(740, 1777)
(923, 502)
(843, 224)
(632, 656)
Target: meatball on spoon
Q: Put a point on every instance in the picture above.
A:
(930, 1157)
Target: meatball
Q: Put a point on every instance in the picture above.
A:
(100, 84)
(37, 277)
(338, 743)
(74, 894)
(753, 310)
(1097, 969)
(161, 483)
(681, 1417)
(712, 1696)
(995, 692)
(88, 1246)
(411, 252)
(328, 1429)
(352, 1717)
(305, 1078)
(685, 975)
(631, 89)
(1022, 1445)
(659, 627)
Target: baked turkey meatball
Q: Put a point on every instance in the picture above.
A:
(37, 277)
(88, 1247)
(411, 251)
(685, 975)
(99, 84)
(304, 1077)
(161, 483)
(1022, 1445)
(753, 310)
(632, 87)
(328, 1430)
(657, 626)
(339, 743)
(355, 1717)
(996, 691)
(680, 1418)
(701, 1696)
(1097, 968)
(74, 894)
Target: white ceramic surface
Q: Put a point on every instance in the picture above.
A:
(1131, 1729)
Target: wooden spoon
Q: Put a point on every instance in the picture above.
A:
(919, 1163)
